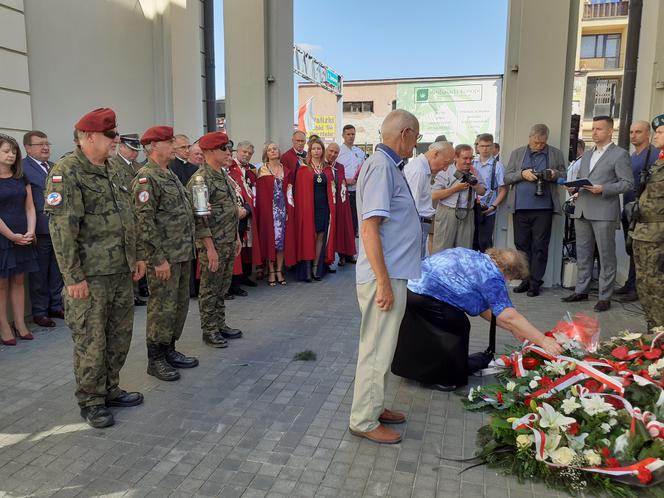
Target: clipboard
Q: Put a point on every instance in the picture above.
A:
(583, 182)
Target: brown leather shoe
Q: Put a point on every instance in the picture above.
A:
(57, 314)
(43, 321)
(390, 417)
(381, 434)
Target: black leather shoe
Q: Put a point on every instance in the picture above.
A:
(248, 282)
(97, 416)
(602, 306)
(125, 399)
(629, 297)
(573, 298)
(238, 291)
(625, 289)
(228, 296)
(178, 360)
(215, 340)
(230, 333)
(522, 287)
(439, 387)
(534, 292)
(139, 302)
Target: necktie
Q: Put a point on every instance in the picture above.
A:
(45, 166)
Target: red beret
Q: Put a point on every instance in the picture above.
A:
(213, 140)
(99, 120)
(157, 134)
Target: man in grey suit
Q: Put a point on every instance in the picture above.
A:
(533, 208)
(46, 284)
(597, 211)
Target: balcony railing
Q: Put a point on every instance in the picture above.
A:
(600, 10)
(599, 63)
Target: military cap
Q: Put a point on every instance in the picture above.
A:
(99, 120)
(657, 122)
(214, 140)
(157, 134)
(131, 140)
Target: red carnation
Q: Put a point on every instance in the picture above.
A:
(573, 429)
(620, 352)
(530, 363)
(616, 403)
(546, 381)
(592, 385)
(612, 462)
(644, 475)
(605, 452)
(499, 395)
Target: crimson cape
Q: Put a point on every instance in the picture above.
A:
(345, 234)
(290, 160)
(236, 172)
(301, 235)
(264, 213)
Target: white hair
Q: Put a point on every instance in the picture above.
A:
(397, 121)
(441, 147)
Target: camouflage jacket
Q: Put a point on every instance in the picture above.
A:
(129, 170)
(91, 219)
(221, 224)
(650, 227)
(164, 216)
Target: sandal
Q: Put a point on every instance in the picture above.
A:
(282, 280)
(270, 281)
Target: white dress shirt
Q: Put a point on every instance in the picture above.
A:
(597, 154)
(352, 158)
(418, 175)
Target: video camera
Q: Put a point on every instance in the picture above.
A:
(465, 177)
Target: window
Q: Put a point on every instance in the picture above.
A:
(602, 98)
(358, 106)
(602, 47)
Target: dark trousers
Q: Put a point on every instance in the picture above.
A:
(532, 232)
(46, 284)
(353, 210)
(484, 226)
(630, 284)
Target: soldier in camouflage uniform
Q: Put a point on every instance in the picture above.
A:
(648, 237)
(166, 225)
(125, 160)
(217, 239)
(91, 220)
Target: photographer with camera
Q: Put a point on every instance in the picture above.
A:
(532, 174)
(492, 173)
(456, 190)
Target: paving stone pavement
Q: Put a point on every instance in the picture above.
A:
(250, 421)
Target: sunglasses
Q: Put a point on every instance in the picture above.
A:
(228, 147)
(112, 134)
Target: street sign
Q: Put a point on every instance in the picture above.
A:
(311, 69)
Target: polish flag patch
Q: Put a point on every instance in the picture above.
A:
(57, 179)
(142, 180)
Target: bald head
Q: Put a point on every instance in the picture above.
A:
(332, 152)
(299, 140)
(440, 156)
(400, 131)
(639, 134)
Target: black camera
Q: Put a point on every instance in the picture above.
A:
(542, 176)
(465, 177)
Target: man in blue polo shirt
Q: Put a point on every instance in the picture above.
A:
(644, 154)
(389, 255)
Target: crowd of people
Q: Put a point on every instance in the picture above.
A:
(99, 232)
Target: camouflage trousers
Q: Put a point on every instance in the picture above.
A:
(168, 305)
(101, 327)
(649, 265)
(213, 287)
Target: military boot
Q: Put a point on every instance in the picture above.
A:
(157, 364)
(214, 340)
(177, 359)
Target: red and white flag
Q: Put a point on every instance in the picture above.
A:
(305, 116)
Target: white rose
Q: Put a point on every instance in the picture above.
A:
(533, 384)
(592, 457)
(563, 456)
(523, 441)
(606, 428)
(653, 371)
(613, 422)
(511, 385)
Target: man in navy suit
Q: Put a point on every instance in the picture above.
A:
(45, 285)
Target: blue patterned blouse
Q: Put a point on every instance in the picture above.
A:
(466, 279)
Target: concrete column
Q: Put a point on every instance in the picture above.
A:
(258, 57)
(537, 88)
(649, 95)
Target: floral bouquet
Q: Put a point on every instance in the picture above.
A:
(579, 421)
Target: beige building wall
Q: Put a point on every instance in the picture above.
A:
(15, 118)
(649, 95)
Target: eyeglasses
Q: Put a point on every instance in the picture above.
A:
(419, 135)
(45, 144)
(112, 134)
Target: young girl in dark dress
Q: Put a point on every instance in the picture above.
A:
(17, 236)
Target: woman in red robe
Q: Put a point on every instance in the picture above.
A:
(314, 212)
(271, 213)
(345, 235)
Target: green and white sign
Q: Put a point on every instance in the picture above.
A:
(458, 109)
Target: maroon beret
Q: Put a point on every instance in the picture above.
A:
(99, 120)
(157, 134)
(213, 140)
